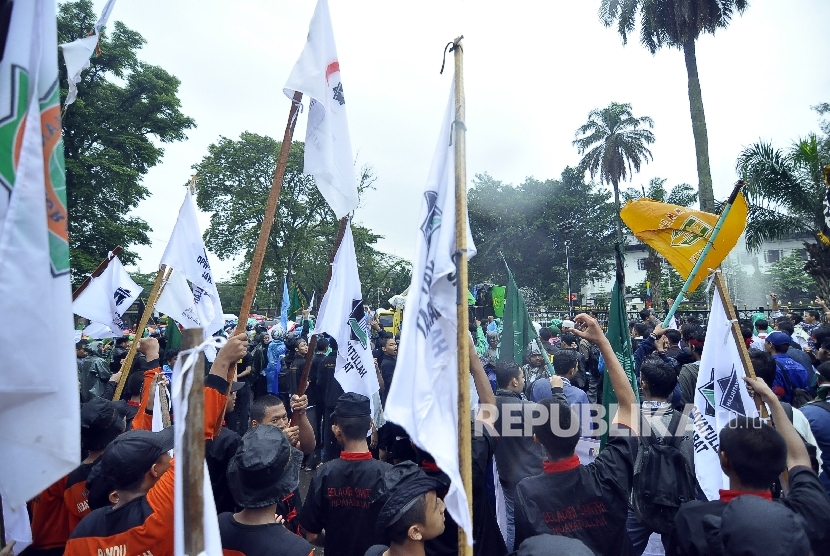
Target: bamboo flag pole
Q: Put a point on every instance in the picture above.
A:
(708, 247)
(193, 455)
(164, 399)
(265, 231)
(161, 276)
(97, 272)
(743, 352)
(464, 432)
(312, 343)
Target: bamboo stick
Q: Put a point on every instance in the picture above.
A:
(193, 455)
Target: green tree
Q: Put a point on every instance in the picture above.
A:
(678, 24)
(785, 192)
(683, 195)
(787, 278)
(125, 109)
(234, 179)
(613, 143)
(529, 225)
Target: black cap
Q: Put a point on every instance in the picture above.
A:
(264, 469)
(402, 485)
(98, 488)
(350, 404)
(131, 455)
(237, 386)
(101, 422)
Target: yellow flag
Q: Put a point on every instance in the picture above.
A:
(679, 234)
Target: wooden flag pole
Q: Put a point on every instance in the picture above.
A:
(164, 399)
(97, 272)
(161, 276)
(264, 231)
(708, 247)
(193, 455)
(743, 352)
(312, 342)
(464, 427)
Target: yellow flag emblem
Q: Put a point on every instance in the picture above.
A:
(679, 234)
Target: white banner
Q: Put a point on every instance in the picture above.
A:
(342, 317)
(76, 54)
(328, 149)
(423, 398)
(176, 301)
(107, 297)
(720, 395)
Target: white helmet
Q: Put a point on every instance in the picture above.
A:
(278, 332)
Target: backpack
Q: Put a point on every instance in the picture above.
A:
(798, 396)
(665, 480)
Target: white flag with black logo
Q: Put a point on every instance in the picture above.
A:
(186, 253)
(342, 317)
(176, 301)
(328, 149)
(423, 398)
(107, 297)
(720, 395)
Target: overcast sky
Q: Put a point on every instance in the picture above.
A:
(533, 71)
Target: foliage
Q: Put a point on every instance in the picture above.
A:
(124, 109)
(529, 225)
(785, 191)
(787, 278)
(683, 195)
(234, 179)
(669, 23)
(670, 284)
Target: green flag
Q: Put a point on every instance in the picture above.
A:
(296, 301)
(621, 343)
(518, 331)
(174, 335)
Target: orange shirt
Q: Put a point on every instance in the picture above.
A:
(75, 496)
(50, 521)
(144, 526)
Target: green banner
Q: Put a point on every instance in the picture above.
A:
(621, 343)
(518, 331)
(174, 335)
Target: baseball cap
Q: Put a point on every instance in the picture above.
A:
(132, 454)
(779, 339)
(237, 386)
(402, 486)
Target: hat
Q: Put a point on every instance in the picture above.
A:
(278, 332)
(350, 404)
(132, 454)
(402, 485)
(553, 545)
(237, 386)
(98, 488)
(99, 413)
(534, 350)
(779, 339)
(264, 469)
(554, 330)
(568, 324)
(745, 528)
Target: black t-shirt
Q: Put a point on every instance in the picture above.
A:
(379, 549)
(271, 539)
(806, 498)
(288, 507)
(333, 390)
(218, 454)
(387, 371)
(587, 502)
(339, 500)
(313, 390)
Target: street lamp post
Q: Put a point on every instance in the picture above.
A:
(568, 267)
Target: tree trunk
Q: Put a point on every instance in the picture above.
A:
(704, 174)
(619, 253)
(654, 275)
(818, 267)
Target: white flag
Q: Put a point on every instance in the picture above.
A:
(342, 317)
(423, 398)
(98, 331)
(107, 297)
(76, 54)
(720, 395)
(176, 301)
(328, 150)
(186, 253)
(17, 527)
(39, 403)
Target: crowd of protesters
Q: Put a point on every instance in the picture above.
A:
(374, 492)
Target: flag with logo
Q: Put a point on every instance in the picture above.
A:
(76, 54)
(328, 149)
(720, 395)
(679, 233)
(824, 234)
(518, 331)
(108, 296)
(39, 403)
(423, 398)
(186, 253)
(297, 301)
(177, 301)
(342, 317)
(620, 340)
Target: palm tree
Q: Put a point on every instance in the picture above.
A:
(683, 195)
(614, 143)
(786, 192)
(678, 24)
